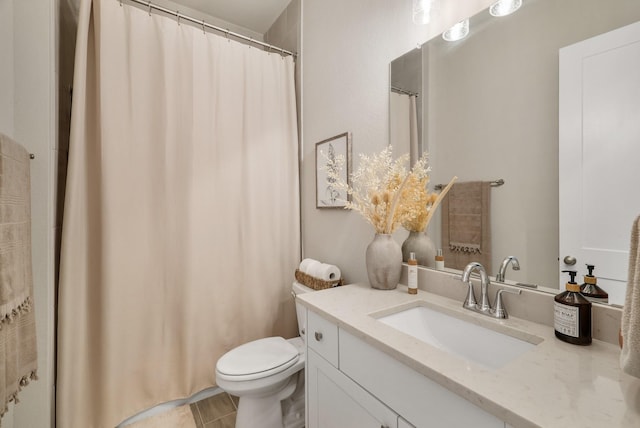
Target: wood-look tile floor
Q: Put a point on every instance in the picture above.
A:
(218, 411)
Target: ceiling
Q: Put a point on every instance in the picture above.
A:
(255, 15)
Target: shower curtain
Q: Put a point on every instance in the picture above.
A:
(404, 125)
(181, 221)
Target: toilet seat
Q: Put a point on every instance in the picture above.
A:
(258, 359)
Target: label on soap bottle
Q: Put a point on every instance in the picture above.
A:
(566, 319)
(413, 278)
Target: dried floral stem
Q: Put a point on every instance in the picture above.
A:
(439, 199)
(394, 206)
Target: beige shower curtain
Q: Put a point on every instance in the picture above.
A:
(403, 123)
(181, 222)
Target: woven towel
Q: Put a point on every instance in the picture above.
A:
(466, 234)
(18, 357)
(630, 355)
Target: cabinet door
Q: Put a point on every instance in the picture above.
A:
(335, 401)
(416, 398)
(322, 337)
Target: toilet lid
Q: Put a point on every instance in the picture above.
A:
(259, 358)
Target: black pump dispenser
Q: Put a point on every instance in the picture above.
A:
(590, 287)
(572, 314)
(572, 275)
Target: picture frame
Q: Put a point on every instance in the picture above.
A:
(326, 195)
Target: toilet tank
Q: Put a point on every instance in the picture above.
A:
(301, 311)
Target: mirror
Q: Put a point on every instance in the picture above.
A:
(489, 110)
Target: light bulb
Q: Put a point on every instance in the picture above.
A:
(504, 7)
(457, 32)
(421, 11)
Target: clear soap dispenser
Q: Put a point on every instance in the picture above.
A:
(572, 314)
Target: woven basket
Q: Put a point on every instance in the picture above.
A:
(315, 283)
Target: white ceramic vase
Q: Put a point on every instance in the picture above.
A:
(384, 262)
(423, 246)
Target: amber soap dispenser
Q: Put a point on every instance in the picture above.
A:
(590, 287)
(572, 314)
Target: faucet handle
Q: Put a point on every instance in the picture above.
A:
(500, 311)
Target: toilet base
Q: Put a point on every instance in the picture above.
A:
(265, 411)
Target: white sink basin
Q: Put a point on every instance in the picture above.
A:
(472, 342)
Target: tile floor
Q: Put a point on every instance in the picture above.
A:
(218, 411)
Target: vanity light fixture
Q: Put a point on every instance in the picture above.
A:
(421, 11)
(457, 32)
(504, 7)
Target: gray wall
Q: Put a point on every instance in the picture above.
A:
(347, 49)
(6, 71)
(28, 115)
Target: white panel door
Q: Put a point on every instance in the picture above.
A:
(599, 155)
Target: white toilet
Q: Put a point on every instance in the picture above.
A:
(265, 374)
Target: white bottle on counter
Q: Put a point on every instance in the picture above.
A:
(413, 274)
(439, 260)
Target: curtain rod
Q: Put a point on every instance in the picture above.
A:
(404, 91)
(494, 183)
(204, 24)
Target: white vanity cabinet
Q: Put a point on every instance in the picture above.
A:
(352, 384)
(334, 400)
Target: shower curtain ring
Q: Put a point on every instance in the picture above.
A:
(269, 50)
(203, 32)
(227, 33)
(120, 3)
(149, 4)
(178, 16)
(250, 42)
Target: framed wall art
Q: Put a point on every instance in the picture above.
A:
(333, 154)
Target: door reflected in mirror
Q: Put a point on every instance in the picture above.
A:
(488, 109)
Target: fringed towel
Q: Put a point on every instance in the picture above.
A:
(466, 235)
(630, 355)
(18, 357)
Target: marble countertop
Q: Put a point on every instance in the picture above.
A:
(555, 384)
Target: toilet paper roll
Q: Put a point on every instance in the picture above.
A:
(324, 271)
(307, 264)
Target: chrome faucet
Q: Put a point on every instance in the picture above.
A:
(503, 267)
(485, 305)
